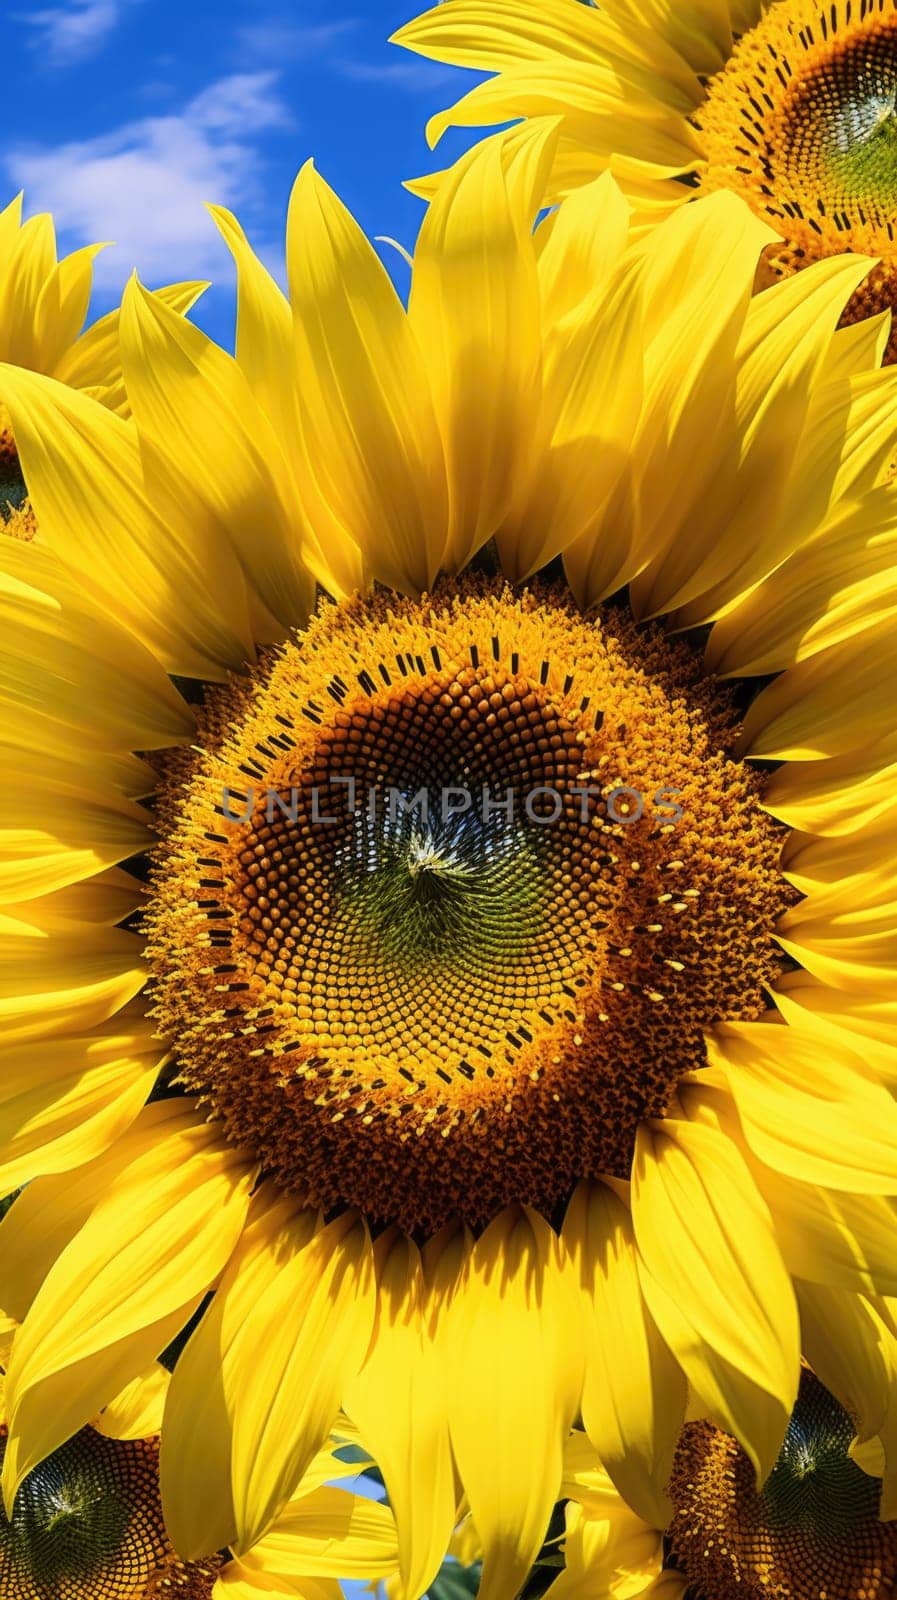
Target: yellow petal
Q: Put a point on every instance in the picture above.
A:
(811, 1114)
(579, 244)
(367, 415)
(264, 346)
(633, 1400)
(94, 360)
(715, 1281)
(62, 1105)
(604, 105)
(101, 901)
(838, 796)
(129, 1279)
(828, 591)
(82, 827)
(843, 932)
(858, 347)
(475, 270)
(236, 1582)
(329, 1533)
(609, 1554)
(136, 1413)
(492, 35)
(828, 705)
(176, 589)
(833, 1237)
(698, 276)
(516, 1376)
(847, 1345)
(746, 528)
(265, 352)
(29, 264)
(857, 870)
(867, 1020)
(489, 35)
(593, 382)
(73, 681)
(49, 1212)
(400, 1404)
(846, 442)
(701, 31)
(212, 457)
(240, 1432)
(61, 308)
(66, 982)
(842, 1240)
(327, 1465)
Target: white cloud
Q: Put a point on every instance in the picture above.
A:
(67, 34)
(278, 40)
(144, 184)
(418, 77)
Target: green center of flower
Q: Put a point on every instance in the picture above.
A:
(458, 896)
(843, 124)
(86, 1524)
(815, 1489)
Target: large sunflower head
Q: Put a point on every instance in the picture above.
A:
(467, 1010)
(789, 104)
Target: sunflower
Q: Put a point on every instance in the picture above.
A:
(788, 103)
(88, 1525)
(464, 906)
(813, 1529)
(43, 304)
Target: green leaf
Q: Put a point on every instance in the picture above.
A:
(456, 1582)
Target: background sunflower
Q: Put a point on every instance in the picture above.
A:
(790, 104)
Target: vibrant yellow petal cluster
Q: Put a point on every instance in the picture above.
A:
(582, 393)
(789, 104)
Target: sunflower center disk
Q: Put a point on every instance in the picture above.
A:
(87, 1525)
(429, 929)
(12, 484)
(803, 122)
(840, 125)
(812, 1530)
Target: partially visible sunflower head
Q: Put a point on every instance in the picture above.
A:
(88, 1521)
(566, 1016)
(87, 1525)
(813, 1529)
(790, 105)
(43, 305)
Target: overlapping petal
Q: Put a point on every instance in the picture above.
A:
(515, 1352)
(239, 1432)
(130, 1277)
(633, 1399)
(700, 1221)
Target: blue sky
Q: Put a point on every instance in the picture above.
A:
(123, 116)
